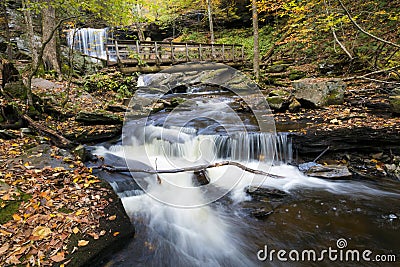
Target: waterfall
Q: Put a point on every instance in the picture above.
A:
(89, 41)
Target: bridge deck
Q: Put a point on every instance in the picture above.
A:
(141, 53)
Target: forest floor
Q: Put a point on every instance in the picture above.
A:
(54, 208)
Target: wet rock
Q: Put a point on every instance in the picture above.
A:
(258, 193)
(261, 213)
(201, 178)
(83, 154)
(319, 92)
(395, 104)
(116, 108)
(329, 172)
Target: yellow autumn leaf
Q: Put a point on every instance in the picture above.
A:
(16, 217)
(79, 212)
(75, 230)
(115, 233)
(82, 243)
(112, 218)
(41, 232)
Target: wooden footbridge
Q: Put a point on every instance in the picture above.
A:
(150, 56)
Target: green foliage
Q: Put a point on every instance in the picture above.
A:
(245, 37)
(122, 85)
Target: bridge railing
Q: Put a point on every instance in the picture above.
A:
(160, 53)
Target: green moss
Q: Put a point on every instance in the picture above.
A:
(65, 210)
(296, 75)
(395, 104)
(334, 98)
(11, 207)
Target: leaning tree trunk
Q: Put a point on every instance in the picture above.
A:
(50, 53)
(31, 37)
(256, 59)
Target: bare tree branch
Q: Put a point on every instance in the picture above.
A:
(190, 169)
(340, 44)
(364, 31)
(335, 36)
(365, 76)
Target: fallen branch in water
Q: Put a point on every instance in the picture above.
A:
(190, 169)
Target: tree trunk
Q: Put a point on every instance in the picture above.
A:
(50, 54)
(210, 21)
(32, 47)
(256, 58)
(7, 29)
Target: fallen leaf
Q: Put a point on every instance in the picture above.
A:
(58, 257)
(75, 230)
(4, 248)
(41, 232)
(13, 260)
(16, 217)
(112, 218)
(82, 243)
(115, 233)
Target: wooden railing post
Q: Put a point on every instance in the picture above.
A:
(233, 53)
(117, 51)
(200, 53)
(172, 52)
(187, 52)
(138, 50)
(158, 57)
(223, 52)
(242, 53)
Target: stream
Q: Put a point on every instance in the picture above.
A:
(180, 222)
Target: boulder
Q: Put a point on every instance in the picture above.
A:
(395, 104)
(319, 92)
(329, 171)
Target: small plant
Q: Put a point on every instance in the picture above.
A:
(117, 82)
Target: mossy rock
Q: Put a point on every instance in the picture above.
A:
(275, 102)
(296, 75)
(279, 92)
(395, 104)
(276, 68)
(16, 90)
(294, 105)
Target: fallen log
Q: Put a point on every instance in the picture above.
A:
(56, 138)
(198, 168)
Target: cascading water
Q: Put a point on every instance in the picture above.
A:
(179, 223)
(89, 41)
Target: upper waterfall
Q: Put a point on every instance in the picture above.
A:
(89, 41)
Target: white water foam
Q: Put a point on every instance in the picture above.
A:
(205, 236)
